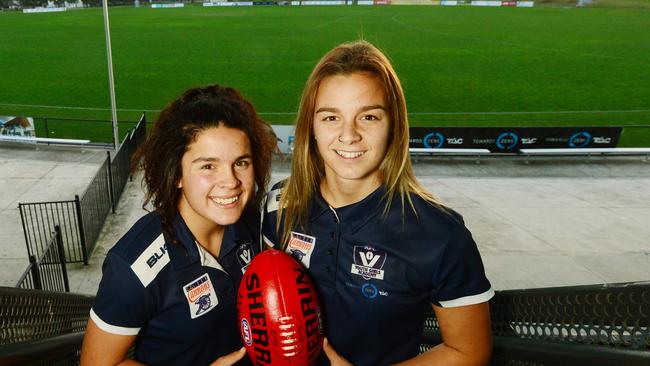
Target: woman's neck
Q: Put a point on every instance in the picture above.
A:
(207, 233)
(342, 192)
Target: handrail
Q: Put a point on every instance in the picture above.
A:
(552, 353)
(604, 324)
(24, 353)
(28, 315)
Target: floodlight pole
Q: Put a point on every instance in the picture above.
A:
(111, 81)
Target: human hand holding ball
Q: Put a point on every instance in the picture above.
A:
(278, 311)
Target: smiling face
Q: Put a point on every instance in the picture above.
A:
(217, 178)
(351, 124)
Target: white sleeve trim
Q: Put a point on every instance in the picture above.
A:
(112, 328)
(468, 300)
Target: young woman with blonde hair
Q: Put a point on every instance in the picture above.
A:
(380, 248)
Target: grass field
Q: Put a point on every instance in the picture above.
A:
(459, 65)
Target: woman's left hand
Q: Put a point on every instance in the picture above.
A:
(230, 359)
(334, 357)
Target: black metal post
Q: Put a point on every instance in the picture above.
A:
(110, 181)
(82, 234)
(36, 273)
(64, 270)
(22, 220)
(47, 130)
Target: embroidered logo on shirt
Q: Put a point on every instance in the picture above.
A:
(200, 296)
(244, 256)
(368, 262)
(370, 291)
(300, 247)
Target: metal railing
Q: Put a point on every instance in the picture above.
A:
(95, 205)
(64, 350)
(82, 219)
(105, 190)
(29, 315)
(579, 325)
(41, 327)
(48, 271)
(39, 220)
(120, 166)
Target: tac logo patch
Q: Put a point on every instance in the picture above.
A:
(369, 290)
(301, 246)
(244, 256)
(368, 262)
(200, 296)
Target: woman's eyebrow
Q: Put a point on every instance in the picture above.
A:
(204, 159)
(362, 109)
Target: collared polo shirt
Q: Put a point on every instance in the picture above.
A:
(177, 298)
(377, 274)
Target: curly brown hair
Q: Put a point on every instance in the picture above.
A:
(177, 127)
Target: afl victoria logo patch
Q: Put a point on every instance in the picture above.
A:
(368, 262)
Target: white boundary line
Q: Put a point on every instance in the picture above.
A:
(410, 113)
(76, 108)
(293, 113)
(535, 112)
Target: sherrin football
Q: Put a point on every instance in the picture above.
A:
(279, 315)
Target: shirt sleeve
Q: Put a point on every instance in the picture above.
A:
(460, 279)
(122, 305)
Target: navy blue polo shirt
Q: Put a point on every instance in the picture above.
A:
(178, 299)
(378, 274)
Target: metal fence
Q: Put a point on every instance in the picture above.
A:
(82, 219)
(96, 203)
(105, 190)
(580, 325)
(39, 220)
(41, 327)
(29, 315)
(47, 272)
(120, 166)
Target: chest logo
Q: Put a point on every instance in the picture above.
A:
(301, 246)
(200, 295)
(368, 262)
(244, 256)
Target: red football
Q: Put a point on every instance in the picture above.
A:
(279, 315)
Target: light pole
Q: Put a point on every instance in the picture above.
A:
(111, 81)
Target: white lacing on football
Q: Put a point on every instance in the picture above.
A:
(288, 336)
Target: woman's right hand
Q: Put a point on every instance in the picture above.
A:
(230, 359)
(335, 358)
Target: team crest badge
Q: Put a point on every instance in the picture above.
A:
(300, 247)
(244, 256)
(368, 262)
(200, 296)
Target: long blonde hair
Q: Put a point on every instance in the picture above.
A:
(307, 169)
